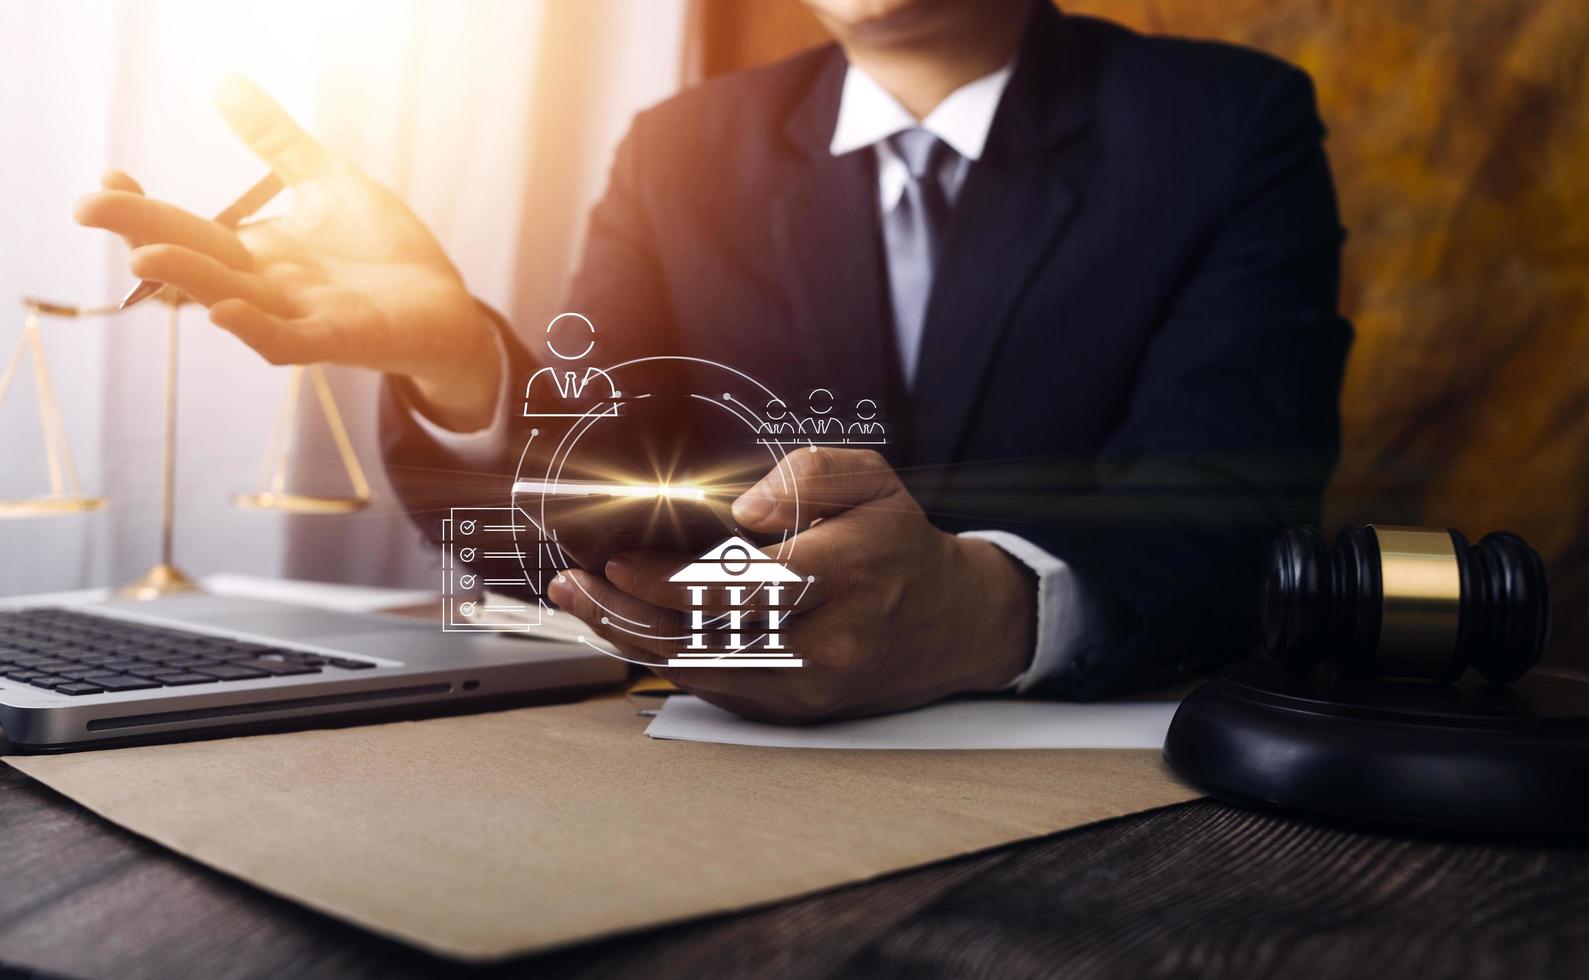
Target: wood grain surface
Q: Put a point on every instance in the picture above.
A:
(1199, 889)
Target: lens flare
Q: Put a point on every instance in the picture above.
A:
(659, 491)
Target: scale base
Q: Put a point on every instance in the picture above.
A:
(1460, 758)
(161, 580)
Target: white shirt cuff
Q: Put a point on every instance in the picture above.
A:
(482, 448)
(1068, 612)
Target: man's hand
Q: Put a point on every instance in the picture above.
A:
(899, 613)
(349, 275)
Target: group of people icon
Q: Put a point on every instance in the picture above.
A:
(563, 389)
(820, 426)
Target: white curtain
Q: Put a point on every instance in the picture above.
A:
(494, 120)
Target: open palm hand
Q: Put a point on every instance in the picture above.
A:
(348, 275)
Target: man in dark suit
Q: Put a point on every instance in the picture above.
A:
(1090, 275)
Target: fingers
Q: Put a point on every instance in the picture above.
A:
(143, 220)
(756, 706)
(645, 575)
(277, 340)
(784, 695)
(115, 180)
(813, 483)
(203, 278)
(617, 616)
(259, 121)
(660, 634)
(755, 692)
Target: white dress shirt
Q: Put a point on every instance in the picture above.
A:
(1068, 613)
(869, 115)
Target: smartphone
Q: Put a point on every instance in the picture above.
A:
(593, 521)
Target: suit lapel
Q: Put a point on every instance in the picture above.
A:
(828, 241)
(1014, 207)
(830, 253)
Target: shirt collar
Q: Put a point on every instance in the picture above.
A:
(868, 114)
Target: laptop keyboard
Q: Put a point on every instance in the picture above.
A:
(76, 653)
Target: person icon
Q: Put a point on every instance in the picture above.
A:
(866, 430)
(777, 421)
(821, 426)
(562, 390)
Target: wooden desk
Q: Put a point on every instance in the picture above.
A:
(1200, 889)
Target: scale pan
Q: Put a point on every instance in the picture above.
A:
(19, 507)
(298, 503)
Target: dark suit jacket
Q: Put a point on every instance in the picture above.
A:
(1132, 354)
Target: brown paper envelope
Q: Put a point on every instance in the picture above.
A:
(490, 835)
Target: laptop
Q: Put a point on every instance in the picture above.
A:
(124, 671)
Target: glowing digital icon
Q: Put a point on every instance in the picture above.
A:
(866, 430)
(821, 427)
(565, 390)
(738, 396)
(722, 584)
(489, 582)
(777, 421)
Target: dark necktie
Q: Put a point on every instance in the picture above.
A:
(912, 235)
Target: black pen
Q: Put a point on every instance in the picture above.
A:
(252, 200)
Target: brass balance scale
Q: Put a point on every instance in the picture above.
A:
(66, 494)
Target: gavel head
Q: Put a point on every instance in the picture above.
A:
(1406, 602)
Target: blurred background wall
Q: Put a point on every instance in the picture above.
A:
(1459, 135)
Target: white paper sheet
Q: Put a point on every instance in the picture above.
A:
(974, 724)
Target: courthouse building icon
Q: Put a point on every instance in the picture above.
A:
(727, 585)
